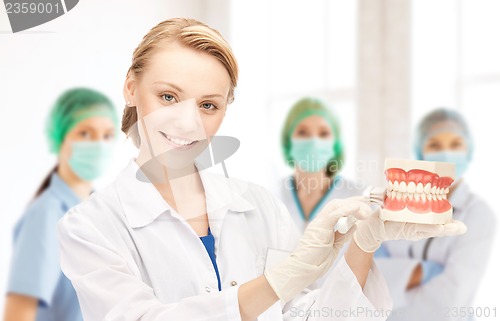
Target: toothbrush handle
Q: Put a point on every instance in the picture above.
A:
(374, 195)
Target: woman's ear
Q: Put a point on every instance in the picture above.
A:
(129, 91)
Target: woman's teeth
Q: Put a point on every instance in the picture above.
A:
(178, 141)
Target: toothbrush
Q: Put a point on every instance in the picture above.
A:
(373, 195)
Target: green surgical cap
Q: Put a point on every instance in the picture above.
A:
(302, 109)
(73, 106)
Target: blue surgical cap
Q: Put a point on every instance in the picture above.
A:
(441, 120)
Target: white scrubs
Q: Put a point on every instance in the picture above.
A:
(463, 257)
(130, 256)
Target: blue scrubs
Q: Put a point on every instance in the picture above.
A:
(209, 243)
(35, 269)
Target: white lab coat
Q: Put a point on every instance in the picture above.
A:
(464, 258)
(342, 188)
(132, 257)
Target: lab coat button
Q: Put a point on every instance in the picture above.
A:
(207, 289)
(233, 283)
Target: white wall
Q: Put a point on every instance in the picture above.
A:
(89, 46)
(294, 51)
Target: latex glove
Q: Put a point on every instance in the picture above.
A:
(317, 249)
(370, 233)
(430, 269)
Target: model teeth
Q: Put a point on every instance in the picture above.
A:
(416, 188)
(415, 191)
(411, 187)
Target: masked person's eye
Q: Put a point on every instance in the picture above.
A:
(109, 137)
(302, 133)
(324, 134)
(85, 134)
(434, 146)
(457, 145)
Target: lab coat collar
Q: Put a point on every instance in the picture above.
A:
(460, 196)
(62, 191)
(142, 203)
(220, 193)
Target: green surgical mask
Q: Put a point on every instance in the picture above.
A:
(312, 154)
(89, 160)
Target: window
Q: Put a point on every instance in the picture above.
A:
(288, 50)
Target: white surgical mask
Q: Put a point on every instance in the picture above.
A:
(459, 158)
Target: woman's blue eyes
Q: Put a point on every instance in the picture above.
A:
(168, 97)
(208, 106)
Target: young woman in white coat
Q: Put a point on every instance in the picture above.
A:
(437, 279)
(168, 242)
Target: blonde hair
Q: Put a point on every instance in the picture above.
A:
(190, 33)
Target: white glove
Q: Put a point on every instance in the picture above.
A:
(316, 251)
(371, 232)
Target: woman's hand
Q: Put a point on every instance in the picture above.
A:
(370, 233)
(317, 249)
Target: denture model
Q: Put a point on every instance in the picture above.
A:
(417, 191)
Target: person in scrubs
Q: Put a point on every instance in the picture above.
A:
(81, 131)
(312, 144)
(431, 279)
(169, 240)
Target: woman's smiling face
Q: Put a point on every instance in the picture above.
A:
(187, 91)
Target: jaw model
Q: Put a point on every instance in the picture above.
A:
(417, 191)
